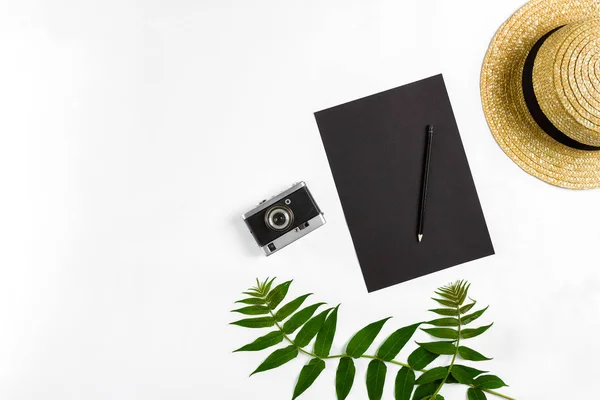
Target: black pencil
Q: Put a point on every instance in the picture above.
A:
(424, 182)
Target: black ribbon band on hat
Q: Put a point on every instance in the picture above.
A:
(534, 107)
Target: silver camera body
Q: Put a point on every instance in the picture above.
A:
(283, 219)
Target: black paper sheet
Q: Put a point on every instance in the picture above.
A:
(375, 147)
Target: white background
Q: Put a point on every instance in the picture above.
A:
(135, 133)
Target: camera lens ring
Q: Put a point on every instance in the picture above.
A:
(279, 217)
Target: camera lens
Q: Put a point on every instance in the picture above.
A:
(279, 217)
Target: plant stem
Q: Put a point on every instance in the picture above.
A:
(390, 361)
(434, 395)
(308, 353)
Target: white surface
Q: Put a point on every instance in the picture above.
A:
(135, 134)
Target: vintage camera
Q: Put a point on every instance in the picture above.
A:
(284, 218)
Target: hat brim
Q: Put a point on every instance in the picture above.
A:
(504, 105)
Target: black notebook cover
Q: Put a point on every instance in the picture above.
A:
(376, 147)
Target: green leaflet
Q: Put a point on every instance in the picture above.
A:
(376, 379)
(471, 355)
(444, 322)
(277, 359)
(270, 339)
(278, 294)
(426, 390)
(443, 333)
(253, 293)
(467, 319)
(290, 308)
(432, 375)
(476, 394)
(252, 300)
(489, 382)
(461, 376)
(310, 372)
(404, 384)
(467, 308)
(361, 341)
(325, 336)
(395, 342)
(252, 310)
(267, 285)
(344, 377)
(448, 297)
(463, 295)
(471, 333)
(262, 322)
(420, 358)
(298, 319)
(470, 370)
(449, 312)
(447, 293)
(464, 374)
(447, 303)
(439, 347)
(310, 329)
(260, 286)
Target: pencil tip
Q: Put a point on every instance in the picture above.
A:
(420, 237)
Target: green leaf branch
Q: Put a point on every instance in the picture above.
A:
(263, 305)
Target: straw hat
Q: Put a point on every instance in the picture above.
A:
(540, 88)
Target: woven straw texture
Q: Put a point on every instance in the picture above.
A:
(566, 82)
